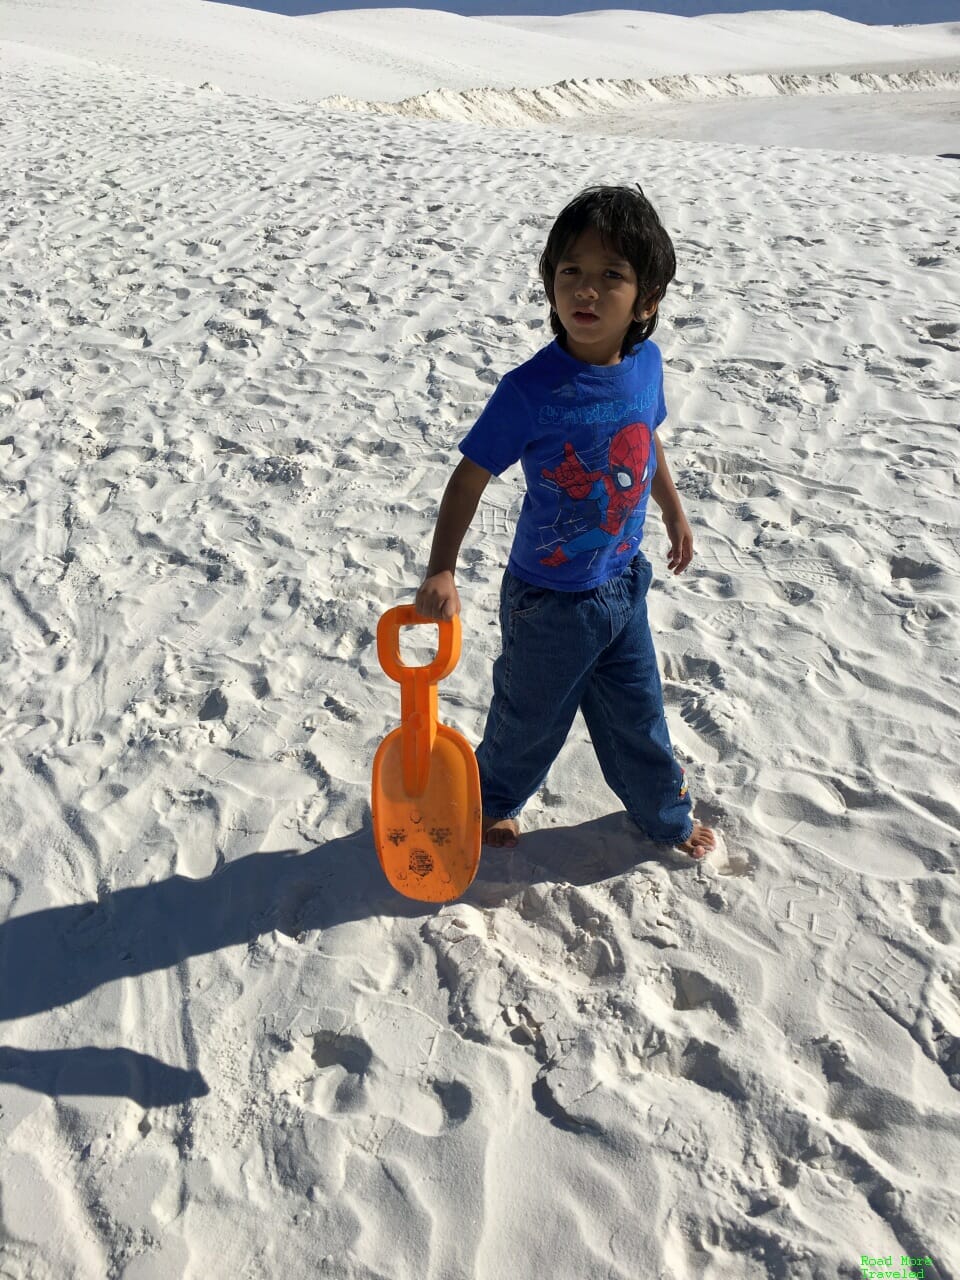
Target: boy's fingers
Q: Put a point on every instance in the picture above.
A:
(681, 553)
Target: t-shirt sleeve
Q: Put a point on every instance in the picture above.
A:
(496, 439)
(661, 402)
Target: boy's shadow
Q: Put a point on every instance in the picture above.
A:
(587, 853)
(52, 957)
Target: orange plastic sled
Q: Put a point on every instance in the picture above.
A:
(426, 785)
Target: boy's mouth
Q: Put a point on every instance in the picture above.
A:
(585, 317)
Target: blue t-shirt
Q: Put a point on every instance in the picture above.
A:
(584, 436)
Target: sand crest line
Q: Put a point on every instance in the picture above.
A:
(589, 96)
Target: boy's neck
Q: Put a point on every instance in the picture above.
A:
(564, 343)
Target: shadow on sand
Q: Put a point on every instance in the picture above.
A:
(53, 957)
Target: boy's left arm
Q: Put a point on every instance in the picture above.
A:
(671, 509)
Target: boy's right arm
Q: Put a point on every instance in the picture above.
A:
(437, 596)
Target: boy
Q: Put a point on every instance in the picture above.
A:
(581, 417)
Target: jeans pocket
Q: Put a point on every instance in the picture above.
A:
(525, 600)
(644, 571)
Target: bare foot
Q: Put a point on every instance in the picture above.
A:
(500, 833)
(701, 841)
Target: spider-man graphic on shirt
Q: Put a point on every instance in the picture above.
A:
(616, 491)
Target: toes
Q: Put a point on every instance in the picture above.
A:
(498, 837)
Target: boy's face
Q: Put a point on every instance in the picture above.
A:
(597, 298)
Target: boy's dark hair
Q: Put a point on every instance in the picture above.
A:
(629, 225)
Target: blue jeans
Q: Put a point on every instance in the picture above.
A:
(593, 650)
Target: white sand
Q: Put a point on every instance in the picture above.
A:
(240, 342)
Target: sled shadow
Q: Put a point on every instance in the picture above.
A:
(61, 954)
(113, 1073)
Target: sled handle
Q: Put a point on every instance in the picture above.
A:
(418, 687)
(388, 644)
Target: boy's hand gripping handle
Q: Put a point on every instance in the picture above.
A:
(418, 687)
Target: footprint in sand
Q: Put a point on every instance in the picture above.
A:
(897, 984)
(693, 990)
(193, 819)
(927, 905)
(872, 833)
(347, 1058)
(21, 1261)
(337, 1074)
(942, 334)
(810, 910)
(695, 685)
(455, 1099)
(688, 1057)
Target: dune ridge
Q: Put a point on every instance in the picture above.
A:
(393, 54)
(576, 98)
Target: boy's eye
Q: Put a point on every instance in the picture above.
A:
(610, 271)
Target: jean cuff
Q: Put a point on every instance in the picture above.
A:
(496, 817)
(669, 841)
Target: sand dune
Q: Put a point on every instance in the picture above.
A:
(391, 54)
(603, 103)
(241, 338)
